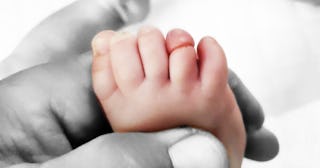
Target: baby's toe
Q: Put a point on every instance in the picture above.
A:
(213, 65)
(178, 38)
(102, 77)
(183, 58)
(153, 54)
(126, 61)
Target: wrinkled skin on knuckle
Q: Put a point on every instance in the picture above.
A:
(23, 117)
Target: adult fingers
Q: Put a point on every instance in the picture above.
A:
(251, 110)
(183, 147)
(262, 145)
(69, 40)
(132, 11)
(201, 149)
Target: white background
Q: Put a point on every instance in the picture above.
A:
(274, 46)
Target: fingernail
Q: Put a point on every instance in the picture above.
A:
(199, 150)
(119, 36)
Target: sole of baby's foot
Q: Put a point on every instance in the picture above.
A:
(159, 83)
(70, 40)
(48, 110)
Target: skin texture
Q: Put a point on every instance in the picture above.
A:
(152, 90)
(31, 89)
(70, 80)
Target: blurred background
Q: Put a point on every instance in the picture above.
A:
(273, 45)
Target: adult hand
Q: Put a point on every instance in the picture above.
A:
(182, 147)
(68, 32)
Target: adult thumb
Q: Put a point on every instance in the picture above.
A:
(195, 149)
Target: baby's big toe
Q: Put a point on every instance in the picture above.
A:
(213, 64)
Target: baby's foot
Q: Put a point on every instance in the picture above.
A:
(147, 83)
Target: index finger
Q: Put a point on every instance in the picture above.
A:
(251, 110)
(262, 145)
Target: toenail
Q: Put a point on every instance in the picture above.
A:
(100, 42)
(178, 38)
(98, 45)
(119, 36)
(180, 46)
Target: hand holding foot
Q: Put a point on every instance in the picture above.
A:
(152, 89)
(29, 50)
